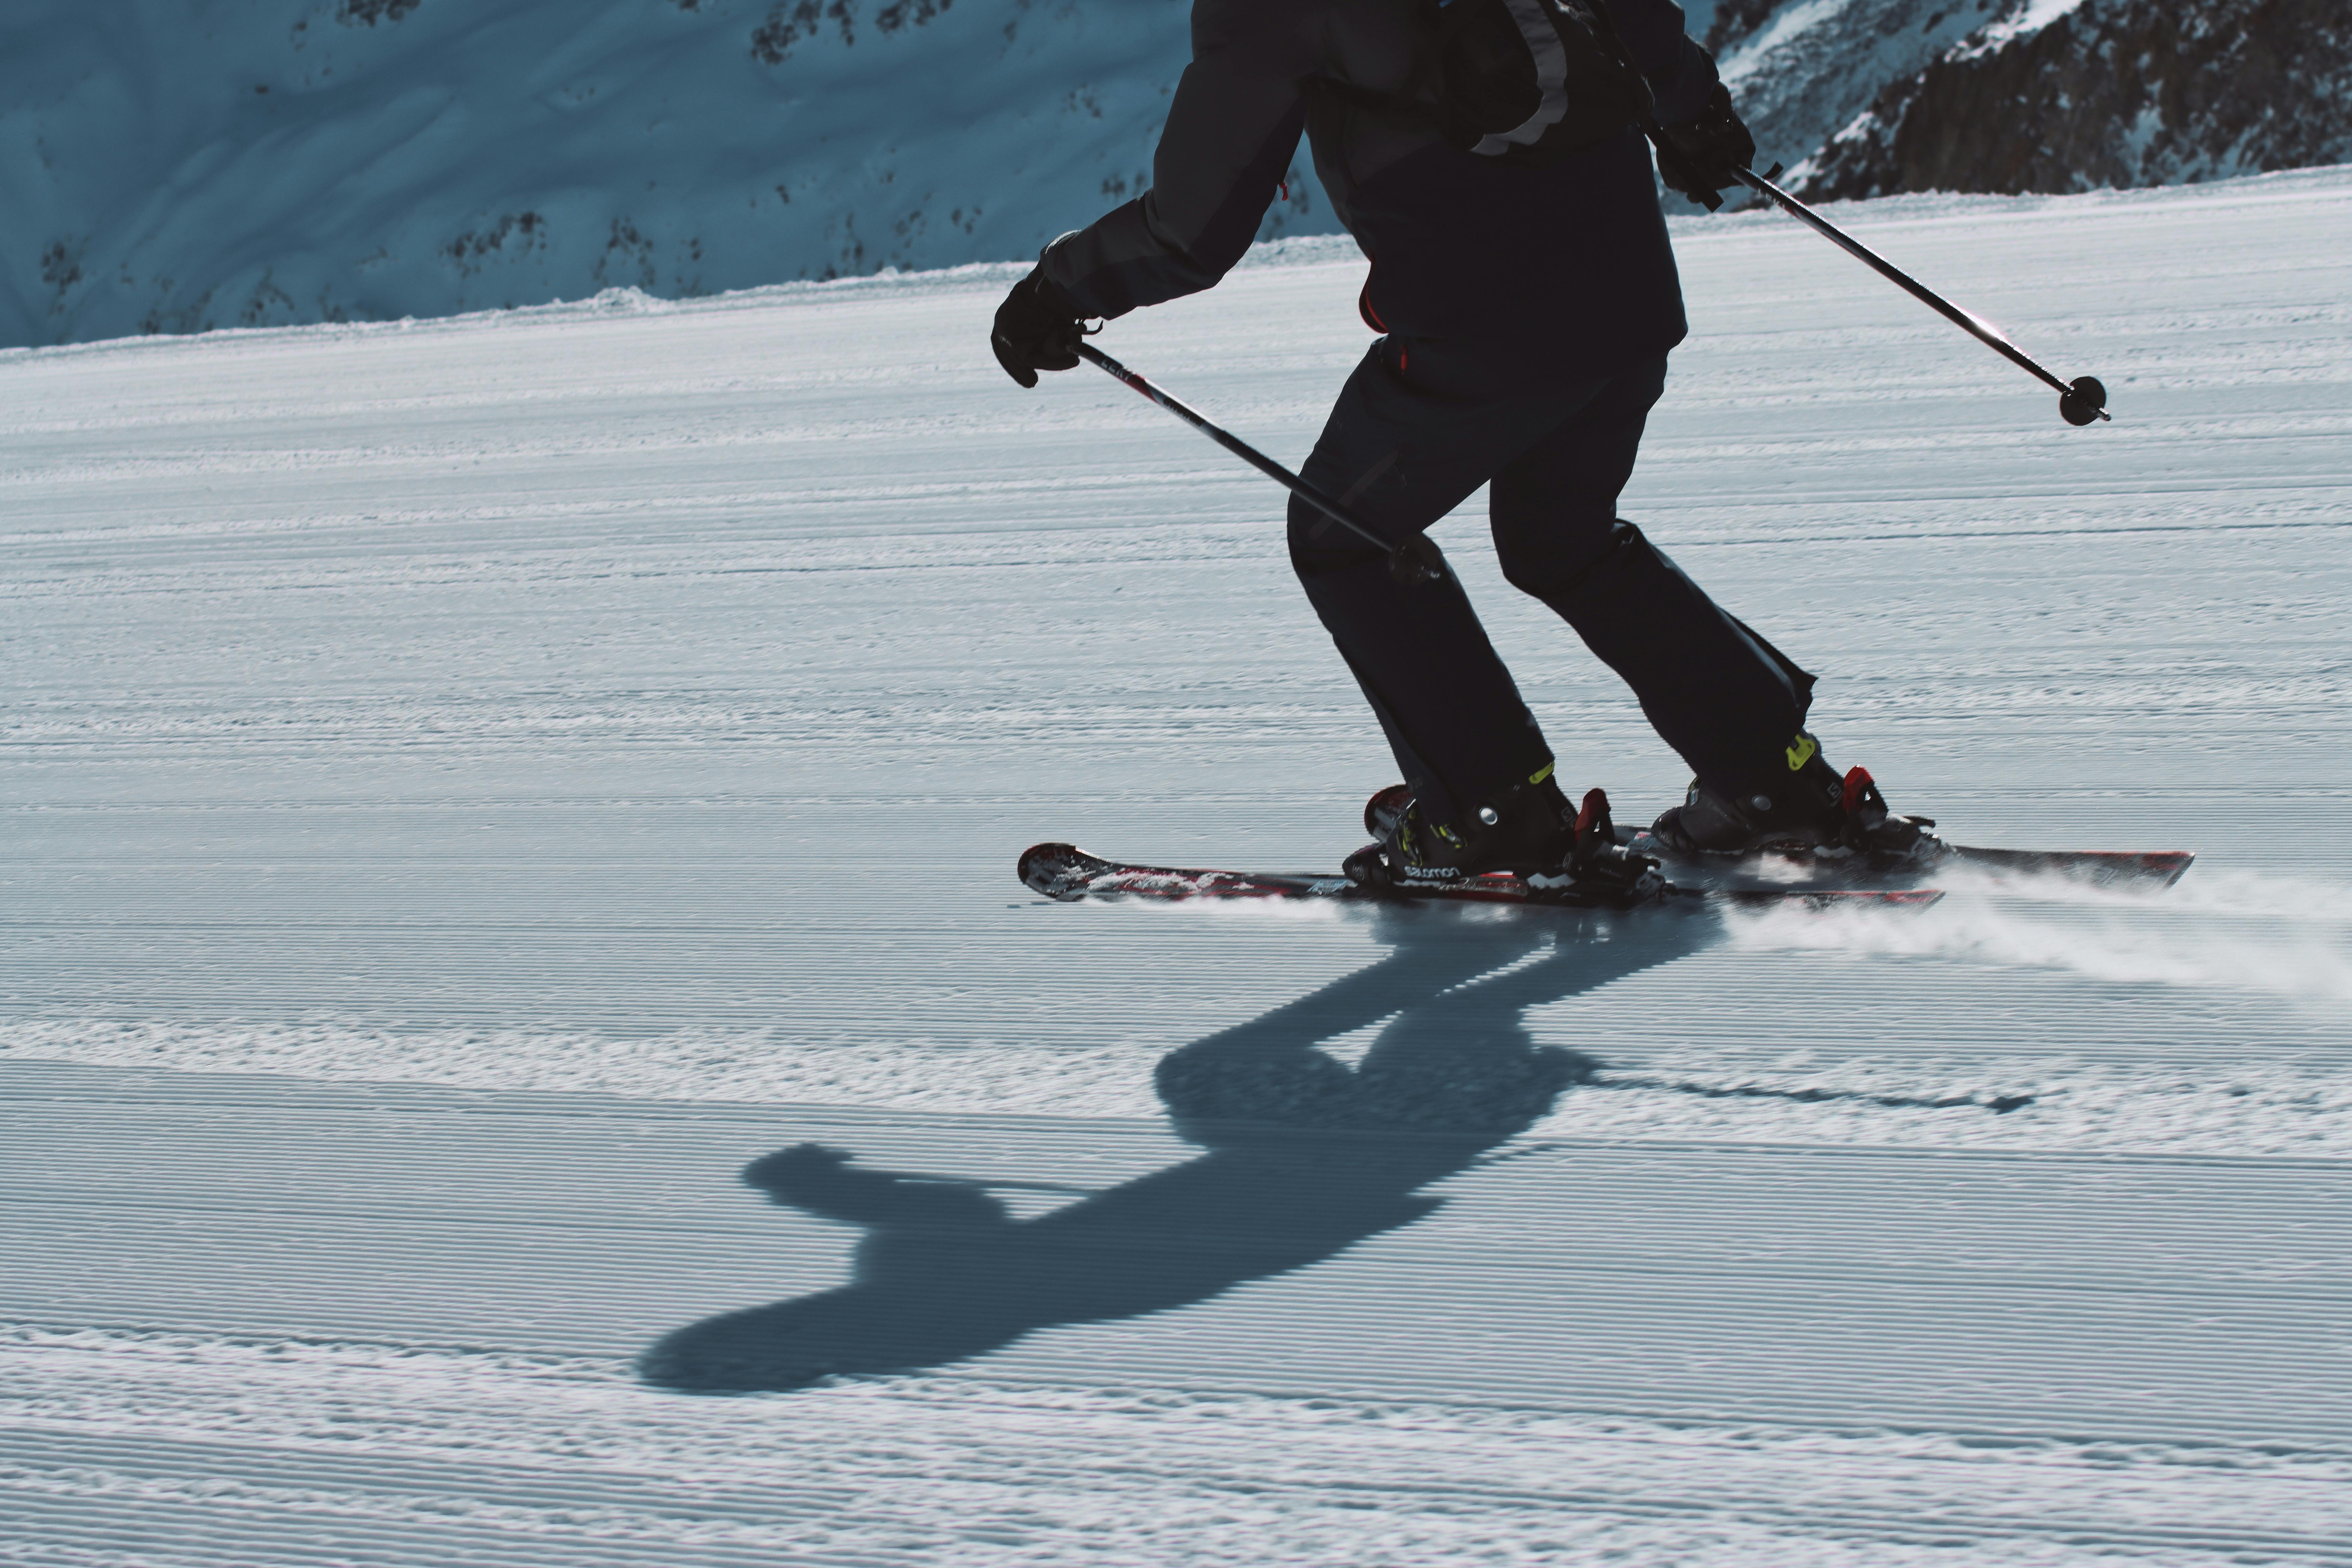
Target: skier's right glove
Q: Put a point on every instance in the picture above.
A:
(1697, 156)
(1038, 329)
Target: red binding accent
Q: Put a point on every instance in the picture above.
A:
(1858, 779)
(1364, 307)
(1595, 807)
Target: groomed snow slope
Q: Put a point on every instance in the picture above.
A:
(473, 787)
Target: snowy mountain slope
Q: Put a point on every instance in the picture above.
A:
(472, 788)
(2109, 92)
(1804, 68)
(175, 167)
(1873, 97)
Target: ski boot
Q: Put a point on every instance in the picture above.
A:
(1818, 815)
(1525, 829)
(1529, 833)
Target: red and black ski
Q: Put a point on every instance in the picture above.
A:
(2144, 871)
(2147, 871)
(1066, 872)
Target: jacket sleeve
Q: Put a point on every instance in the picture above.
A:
(1232, 129)
(1680, 73)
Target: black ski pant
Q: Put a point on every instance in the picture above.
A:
(1416, 430)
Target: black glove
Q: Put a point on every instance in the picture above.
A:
(1036, 328)
(1697, 156)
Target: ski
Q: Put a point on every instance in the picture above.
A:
(2114, 871)
(2150, 869)
(1067, 873)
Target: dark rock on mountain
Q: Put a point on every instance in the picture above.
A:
(2112, 93)
(1735, 22)
(1807, 68)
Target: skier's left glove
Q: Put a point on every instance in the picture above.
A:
(1038, 327)
(1697, 156)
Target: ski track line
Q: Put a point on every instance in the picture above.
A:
(471, 787)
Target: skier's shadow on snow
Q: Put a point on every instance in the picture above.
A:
(1305, 1157)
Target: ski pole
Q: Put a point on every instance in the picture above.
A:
(1416, 561)
(2080, 401)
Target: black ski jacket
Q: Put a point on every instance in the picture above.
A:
(1562, 265)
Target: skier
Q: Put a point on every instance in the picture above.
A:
(1489, 158)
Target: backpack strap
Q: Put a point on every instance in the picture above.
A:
(1542, 39)
(1573, 61)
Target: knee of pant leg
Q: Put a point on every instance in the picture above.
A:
(1554, 509)
(1547, 567)
(1552, 562)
